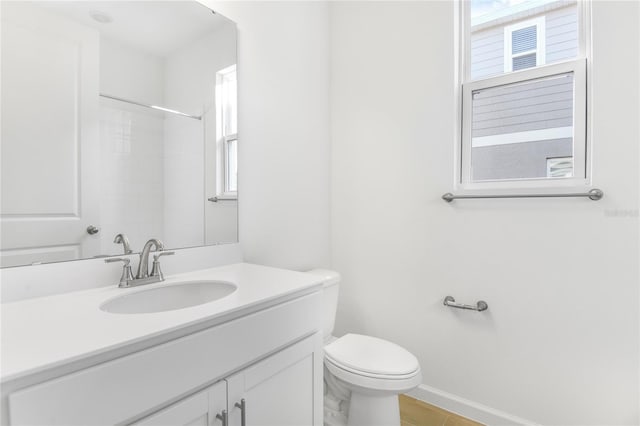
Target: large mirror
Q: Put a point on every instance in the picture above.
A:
(119, 123)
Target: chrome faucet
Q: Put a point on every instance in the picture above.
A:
(143, 264)
(142, 276)
(122, 239)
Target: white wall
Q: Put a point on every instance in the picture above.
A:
(283, 95)
(559, 343)
(126, 71)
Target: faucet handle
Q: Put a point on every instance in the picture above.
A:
(155, 269)
(162, 253)
(127, 274)
(126, 260)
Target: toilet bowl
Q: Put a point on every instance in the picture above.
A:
(363, 375)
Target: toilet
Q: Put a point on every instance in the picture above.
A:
(363, 375)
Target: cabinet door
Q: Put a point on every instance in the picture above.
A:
(196, 410)
(278, 391)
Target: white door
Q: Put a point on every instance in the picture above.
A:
(50, 131)
(277, 391)
(200, 409)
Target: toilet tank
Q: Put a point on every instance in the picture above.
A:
(331, 281)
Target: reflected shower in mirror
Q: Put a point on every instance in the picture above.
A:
(118, 125)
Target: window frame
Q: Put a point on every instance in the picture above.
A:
(222, 181)
(540, 50)
(227, 191)
(580, 66)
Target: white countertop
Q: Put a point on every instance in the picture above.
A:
(48, 332)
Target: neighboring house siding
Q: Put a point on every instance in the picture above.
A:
(562, 34)
(487, 45)
(487, 53)
(519, 160)
(543, 104)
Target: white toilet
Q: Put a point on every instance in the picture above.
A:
(363, 375)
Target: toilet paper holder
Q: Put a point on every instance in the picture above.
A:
(480, 306)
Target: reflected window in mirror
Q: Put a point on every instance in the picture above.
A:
(227, 104)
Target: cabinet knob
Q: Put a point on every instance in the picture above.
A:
(223, 418)
(242, 406)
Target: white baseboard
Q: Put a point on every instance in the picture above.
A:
(466, 408)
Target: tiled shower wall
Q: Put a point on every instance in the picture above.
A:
(132, 184)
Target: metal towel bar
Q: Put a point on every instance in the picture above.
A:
(216, 199)
(156, 107)
(480, 306)
(595, 195)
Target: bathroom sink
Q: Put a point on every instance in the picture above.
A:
(168, 298)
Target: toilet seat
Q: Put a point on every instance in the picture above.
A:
(372, 363)
(374, 384)
(367, 355)
(371, 375)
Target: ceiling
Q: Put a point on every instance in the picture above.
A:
(157, 27)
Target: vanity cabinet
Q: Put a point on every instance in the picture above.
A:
(271, 358)
(196, 410)
(277, 391)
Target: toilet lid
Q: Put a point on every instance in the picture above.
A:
(371, 355)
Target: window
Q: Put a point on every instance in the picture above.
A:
(524, 45)
(524, 93)
(227, 129)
